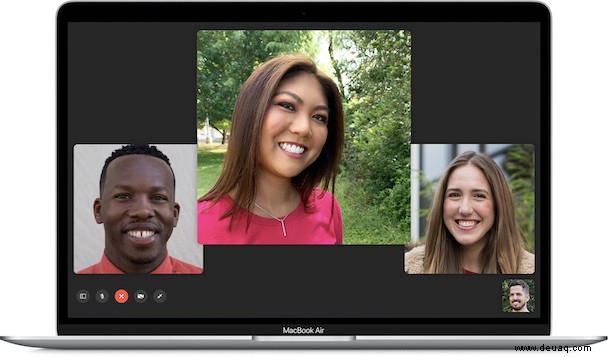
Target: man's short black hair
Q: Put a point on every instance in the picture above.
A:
(133, 149)
(521, 283)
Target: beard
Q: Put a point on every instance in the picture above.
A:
(519, 307)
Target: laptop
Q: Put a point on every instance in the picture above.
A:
(150, 91)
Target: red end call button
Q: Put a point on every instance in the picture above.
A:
(121, 296)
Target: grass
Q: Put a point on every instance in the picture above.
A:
(363, 223)
(210, 161)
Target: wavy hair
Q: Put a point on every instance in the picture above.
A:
(503, 244)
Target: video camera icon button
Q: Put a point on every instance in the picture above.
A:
(141, 296)
(102, 296)
(121, 296)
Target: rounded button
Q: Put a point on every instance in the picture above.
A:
(141, 296)
(121, 296)
(159, 296)
(83, 296)
(102, 296)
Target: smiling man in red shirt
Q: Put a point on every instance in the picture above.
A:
(138, 210)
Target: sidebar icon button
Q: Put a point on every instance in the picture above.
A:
(83, 296)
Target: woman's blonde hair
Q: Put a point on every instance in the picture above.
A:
(503, 244)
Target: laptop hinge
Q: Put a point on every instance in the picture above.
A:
(303, 338)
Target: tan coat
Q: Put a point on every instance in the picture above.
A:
(414, 261)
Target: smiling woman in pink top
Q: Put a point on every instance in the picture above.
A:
(286, 139)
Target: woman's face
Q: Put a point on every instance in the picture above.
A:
(294, 130)
(468, 206)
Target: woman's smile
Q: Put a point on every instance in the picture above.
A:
(468, 206)
(294, 129)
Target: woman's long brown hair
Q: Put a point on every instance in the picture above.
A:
(241, 162)
(502, 250)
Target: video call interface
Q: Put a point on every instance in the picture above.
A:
(396, 230)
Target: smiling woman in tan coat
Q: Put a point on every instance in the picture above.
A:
(471, 228)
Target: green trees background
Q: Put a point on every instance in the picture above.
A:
(373, 70)
(224, 61)
(520, 169)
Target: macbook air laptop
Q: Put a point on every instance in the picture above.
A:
(428, 227)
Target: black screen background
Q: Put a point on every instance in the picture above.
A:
(472, 82)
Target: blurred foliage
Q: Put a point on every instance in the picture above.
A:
(376, 78)
(520, 169)
(373, 71)
(226, 58)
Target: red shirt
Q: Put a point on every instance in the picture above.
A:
(168, 266)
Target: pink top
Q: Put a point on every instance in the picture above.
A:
(315, 226)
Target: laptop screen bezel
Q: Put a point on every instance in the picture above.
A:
(305, 13)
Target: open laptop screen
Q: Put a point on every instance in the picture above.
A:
(231, 170)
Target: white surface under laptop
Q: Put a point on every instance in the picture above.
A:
(27, 296)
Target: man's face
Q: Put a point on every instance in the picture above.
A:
(138, 210)
(518, 297)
